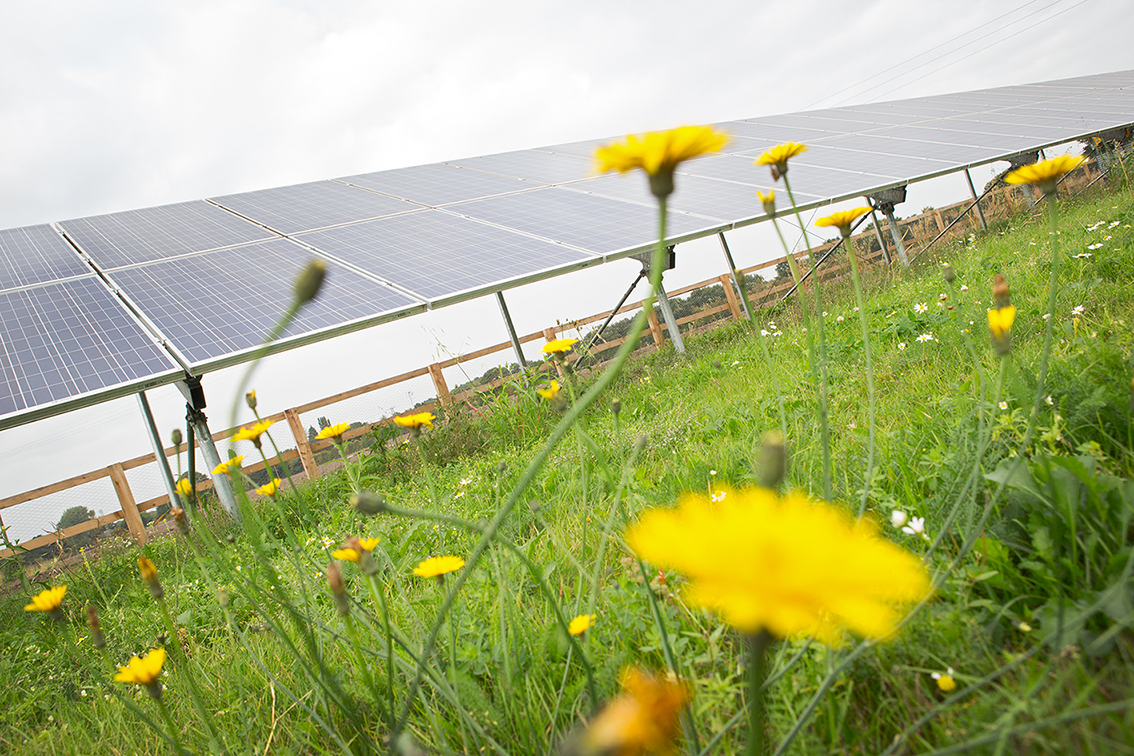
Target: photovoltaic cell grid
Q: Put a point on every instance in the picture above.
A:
(158, 233)
(437, 255)
(35, 254)
(319, 204)
(723, 201)
(214, 305)
(532, 165)
(438, 184)
(68, 338)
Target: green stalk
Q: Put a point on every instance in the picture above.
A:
(190, 678)
(757, 646)
(871, 444)
(378, 599)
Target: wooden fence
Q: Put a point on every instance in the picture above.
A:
(916, 231)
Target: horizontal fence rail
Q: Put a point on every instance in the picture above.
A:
(436, 382)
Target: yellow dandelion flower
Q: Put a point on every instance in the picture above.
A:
(437, 566)
(581, 624)
(777, 157)
(416, 422)
(184, 487)
(768, 201)
(551, 392)
(558, 346)
(353, 548)
(333, 432)
(253, 432)
(843, 219)
(788, 565)
(48, 600)
(229, 466)
(1000, 320)
(1046, 173)
(270, 488)
(144, 671)
(643, 720)
(659, 153)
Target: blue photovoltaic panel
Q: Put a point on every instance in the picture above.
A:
(438, 184)
(319, 204)
(890, 145)
(531, 165)
(436, 254)
(35, 254)
(157, 233)
(214, 305)
(723, 201)
(65, 339)
(596, 224)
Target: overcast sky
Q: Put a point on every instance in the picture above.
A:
(116, 105)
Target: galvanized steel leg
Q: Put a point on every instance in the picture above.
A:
(670, 321)
(881, 239)
(159, 449)
(896, 233)
(976, 201)
(221, 483)
(511, 329)
(737, 280)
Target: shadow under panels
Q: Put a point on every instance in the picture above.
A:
(444, 258)
(598, 225)
(318, 204)
(62, 340)
(158, 233)
(219, 305)
(438, 184)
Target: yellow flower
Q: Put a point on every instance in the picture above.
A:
(1046, 173)
(184, 487)
(768, 201)
(229, 466)
(269, 488)
(149, 572)
(788, 565)
(253, 432)
(659, 153)
(945, 681)
(843, 219)
(581, 624)
(415, 422)
(437, 566)
(48, 600)
(551, 392)
(1000, 320)
(353, 549)
(643, 720)
(145, 671)
(558, 346)
(778, 156)
(333, 432)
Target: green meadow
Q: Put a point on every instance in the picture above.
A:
(1017, 498)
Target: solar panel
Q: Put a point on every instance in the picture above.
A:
(319, 204)
(157, 233)
(62, 340)
(723, 201)
(35, 254)
(531, 165)
(216, 306)
(438, 184)
(438, 256)
(597, 224)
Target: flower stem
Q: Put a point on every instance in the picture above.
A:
(870, 448)
(757, 646)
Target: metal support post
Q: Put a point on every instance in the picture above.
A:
(670, 321)
(597, 334)
(221, 485)
(511, 329)
(881, 239)
(896, 233)
(159, 449)
(976, 201)
(738, 280)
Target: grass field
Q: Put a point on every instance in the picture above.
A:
(1032, 610)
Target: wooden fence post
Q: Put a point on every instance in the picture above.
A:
(306, 457)
(730, 294)
(443, 395)
(126, 501)
(655, 327)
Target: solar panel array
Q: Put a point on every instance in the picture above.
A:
(96, 306)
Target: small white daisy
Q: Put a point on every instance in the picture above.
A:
(1004, 406)
(1097, 245)
(901, 345)
(839, 319)
(920, 307)
(898, 518)
(718, 496)
(916, 527)
(964, 288)
(926, 337)
(1077, 310)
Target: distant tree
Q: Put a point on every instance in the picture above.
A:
(73, 516)
(783, 270)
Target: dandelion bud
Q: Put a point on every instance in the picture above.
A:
(948, 273)
(149, 574)
(717, 365)
(230, 538)
(250, 400)
(368, 503)
(338, 588)
(1000, 293)
(535, 506)
(179, 517)
(640, 443)
(176, 437)
(309, 282)
(771, 464)
(97, 639)
(616, 407)
(768, 200)
(223, 598)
